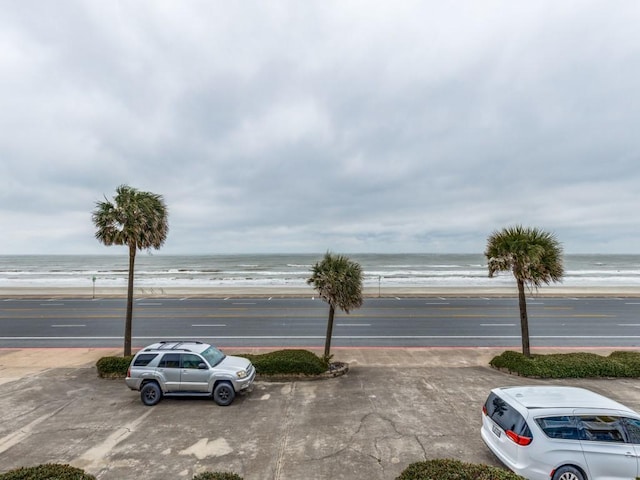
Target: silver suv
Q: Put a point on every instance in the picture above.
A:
(188, 369)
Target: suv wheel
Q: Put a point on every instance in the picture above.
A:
(223, 394)
(150, 394)
(568, 473)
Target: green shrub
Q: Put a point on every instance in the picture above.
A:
(570, 365)
(49, 471)
(217, 476)
(288, 362)
(447, 469)
(113, 367)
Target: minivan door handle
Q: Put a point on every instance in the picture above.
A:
(629, 454)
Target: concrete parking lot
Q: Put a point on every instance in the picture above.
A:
(393, 408)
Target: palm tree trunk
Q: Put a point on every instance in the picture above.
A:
(129, 318)
(524, 319)
(327, 342)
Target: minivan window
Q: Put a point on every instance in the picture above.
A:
(561, 427)
(632, 426)
(143, 359)
(506, 416)
(602, 428)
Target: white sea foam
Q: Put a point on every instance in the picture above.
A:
(420, 270)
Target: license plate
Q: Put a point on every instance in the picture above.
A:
(497, 431)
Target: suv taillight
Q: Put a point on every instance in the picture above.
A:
(484, 409)
(519, 439)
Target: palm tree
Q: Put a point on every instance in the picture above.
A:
(533, 256)
(135, 219)
(338, 281)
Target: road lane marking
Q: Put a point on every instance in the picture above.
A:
(68, 325)
(629, 324)
(341, 337)
(209, 325)
(48, 304)
(497, 324)
(353, 325)
(150, 304)
(437, 303)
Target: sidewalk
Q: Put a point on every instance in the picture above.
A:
(16, 363)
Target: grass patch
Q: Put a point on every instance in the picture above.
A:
(570, 365)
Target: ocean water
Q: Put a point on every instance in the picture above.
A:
(408, 270)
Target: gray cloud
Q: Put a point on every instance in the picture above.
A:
(353, 126)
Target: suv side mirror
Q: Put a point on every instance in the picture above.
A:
(202, 366)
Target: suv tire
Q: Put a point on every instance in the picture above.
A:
(150, 394)
(568, 473)
(223, 394)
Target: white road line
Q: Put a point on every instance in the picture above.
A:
(345, 337)
(150, 304)
(183, 299)
(632, 303)
(49, 304)
(353, 324)
(397, 298)
(497, 324)
(68, 326)
(209, 325)
(629, 324)
(243, 303)
(437, 303)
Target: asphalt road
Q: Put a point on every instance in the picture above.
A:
(275, 322)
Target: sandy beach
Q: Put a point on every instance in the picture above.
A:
(253, 291)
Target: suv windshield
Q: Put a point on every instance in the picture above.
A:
(213, 356)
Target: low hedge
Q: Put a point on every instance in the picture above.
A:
(280, 362)
(217, 476)
(54, 471)
(49, 471)
(113, 367)
(447, 469)
(288, 362)
(570, 365)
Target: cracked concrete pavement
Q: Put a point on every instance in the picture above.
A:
(393, 408)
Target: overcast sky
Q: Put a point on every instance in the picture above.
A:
(307, 126)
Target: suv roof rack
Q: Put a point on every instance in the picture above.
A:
(166, 345)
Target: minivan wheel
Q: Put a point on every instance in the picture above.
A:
(568, 473)
(223, 394)
(150, 394)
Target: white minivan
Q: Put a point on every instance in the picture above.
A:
(562, 433)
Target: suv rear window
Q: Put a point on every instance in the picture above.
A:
(506, 416)
(144, 359)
